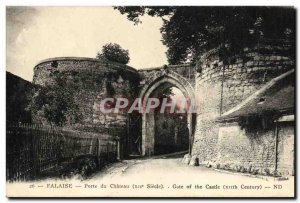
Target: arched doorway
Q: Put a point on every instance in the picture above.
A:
(171, 133)
(153, 89)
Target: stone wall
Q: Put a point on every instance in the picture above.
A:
(248, 151)
(244, 151)
(220, 86)
(185, 70)
(91, 80)
(286, 148)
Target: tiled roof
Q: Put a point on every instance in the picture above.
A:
(277, 96)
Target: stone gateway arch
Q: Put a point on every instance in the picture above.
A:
(217, 138)
(163, 79)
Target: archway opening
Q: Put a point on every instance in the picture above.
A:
(154, 136)
(171, 133)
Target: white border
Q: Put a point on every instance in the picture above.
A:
(4, 3)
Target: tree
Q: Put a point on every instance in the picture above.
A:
(54, 103)
(191, 31)
(114, 52)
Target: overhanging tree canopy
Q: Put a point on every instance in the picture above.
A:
(190, 31)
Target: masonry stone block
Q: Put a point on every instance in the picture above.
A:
(208, 144)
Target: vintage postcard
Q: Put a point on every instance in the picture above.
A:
(150, 101)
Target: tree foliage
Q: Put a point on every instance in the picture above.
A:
(54, 103)
(114, 52)
(190, 31)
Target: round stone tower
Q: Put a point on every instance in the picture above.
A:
(89, 81)
(221, 85)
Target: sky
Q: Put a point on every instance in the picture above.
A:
(36, 33)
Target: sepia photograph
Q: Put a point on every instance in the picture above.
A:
(150, 101)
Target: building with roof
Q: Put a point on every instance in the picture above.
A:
(257, 136)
